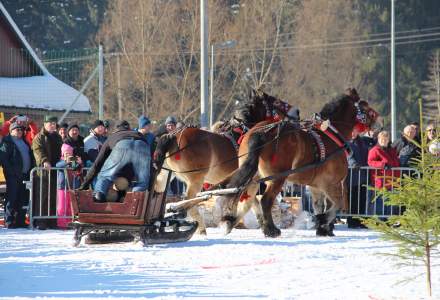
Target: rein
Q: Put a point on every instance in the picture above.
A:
(233, 158)
(302, 168)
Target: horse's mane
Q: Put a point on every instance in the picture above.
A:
(334, 105)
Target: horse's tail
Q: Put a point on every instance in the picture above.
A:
(243, 175)
(164, 145)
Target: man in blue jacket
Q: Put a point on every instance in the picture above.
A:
(357, 178)
(17, 161)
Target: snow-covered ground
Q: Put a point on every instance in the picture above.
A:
(242, 265)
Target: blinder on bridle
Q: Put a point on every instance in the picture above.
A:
(365, 117)
(361, 115)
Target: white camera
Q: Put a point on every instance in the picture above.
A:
(21, 118)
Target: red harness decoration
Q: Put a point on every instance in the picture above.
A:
(177, 156)
(245, 196)
(334, 135)
(241, 132)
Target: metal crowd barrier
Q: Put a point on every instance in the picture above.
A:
(363, 199)
(360, 193)
(43, 193)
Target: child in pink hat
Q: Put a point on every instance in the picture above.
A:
(67, 162)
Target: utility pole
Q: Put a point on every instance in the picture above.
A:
(203, 64)
(118, 74)
(393, 77)
(100, 83)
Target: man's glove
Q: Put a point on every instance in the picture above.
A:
(355, 166)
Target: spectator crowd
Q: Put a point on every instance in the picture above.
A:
(62, 151)
(383, 163)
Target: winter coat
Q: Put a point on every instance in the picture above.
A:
(10, 158)
(358, 158)
(406, 151)
(47, 147)
(29, 134)
(379, 157)
(74, 180)
(92, 145)
(107, 148)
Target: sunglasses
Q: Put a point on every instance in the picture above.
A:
(430, 130)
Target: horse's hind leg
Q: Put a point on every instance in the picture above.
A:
(272, 190)
(250, 202)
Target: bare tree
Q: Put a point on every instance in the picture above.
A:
(320, 66)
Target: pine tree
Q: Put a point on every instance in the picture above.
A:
(418, 232)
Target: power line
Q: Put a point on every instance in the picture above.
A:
(356, 44)
(331, 45)
(383, 33)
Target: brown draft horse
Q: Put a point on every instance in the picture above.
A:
(198, 156)
(293, 148)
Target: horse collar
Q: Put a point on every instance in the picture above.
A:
(321, 153)
(330, 131)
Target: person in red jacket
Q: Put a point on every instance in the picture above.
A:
(31, 129)
(383, 157)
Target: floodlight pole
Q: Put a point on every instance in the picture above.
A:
(203, 64)
(393, 77)
(100, 83)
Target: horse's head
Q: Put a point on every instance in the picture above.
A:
(350, 112)
(264, 106)
(164, 145)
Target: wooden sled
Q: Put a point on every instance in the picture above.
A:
(139, 214)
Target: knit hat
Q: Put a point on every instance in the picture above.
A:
(50, 118)
(97, 123)
(170, 120)
(14, 126)
(72, 126)
(143, 121)
(106, 123)
(66, 148)
(122, 124)
(64, 125)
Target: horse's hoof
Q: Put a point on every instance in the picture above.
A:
(271, 232)
(226, 227)
(320, 231)
(203, 232)
(324, 231)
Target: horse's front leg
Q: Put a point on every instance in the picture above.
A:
(320, 207)
(272, 190)
(325, 205)
(193, 188)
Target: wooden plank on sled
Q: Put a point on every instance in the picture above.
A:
(218, 192)
(201, 197)
(186, 204)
